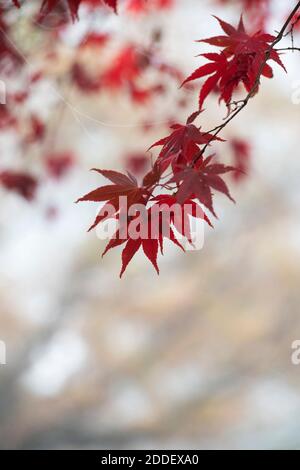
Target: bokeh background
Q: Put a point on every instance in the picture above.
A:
(199, 357)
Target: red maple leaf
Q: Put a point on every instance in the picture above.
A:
(123, 185)
(240, 61)
(164, 216)
(148, 240)
(161, 218)
(150, 248)
(181, 213)
(199, 182)
(180, 147)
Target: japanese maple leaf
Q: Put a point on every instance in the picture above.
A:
(199, 181)
(180, 147)
(149, 243)
(123, 185)
(240, 61)
(179, 214)
(216, 69)
(150, 248)
(238, 41)
(126, 185)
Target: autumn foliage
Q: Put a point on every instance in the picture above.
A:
(184, 171)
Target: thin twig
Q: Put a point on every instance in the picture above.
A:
(288, 49)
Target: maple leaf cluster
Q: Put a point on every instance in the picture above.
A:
(192, 184)
(181, 166)
(238, 63)
(159, 198)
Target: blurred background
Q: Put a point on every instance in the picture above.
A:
(199, 357)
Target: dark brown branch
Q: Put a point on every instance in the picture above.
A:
(292, 48)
